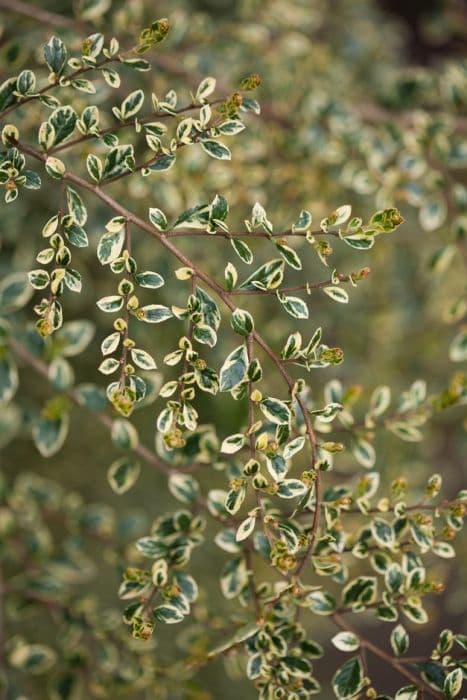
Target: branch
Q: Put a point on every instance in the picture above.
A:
(395, 663)
(248, 234)
(220, 292)
(44, 16)
(130, 123)
(298, 287)
(47, 88)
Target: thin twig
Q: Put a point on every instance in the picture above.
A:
(395, 663)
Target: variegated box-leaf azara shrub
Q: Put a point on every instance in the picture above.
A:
(289, 494)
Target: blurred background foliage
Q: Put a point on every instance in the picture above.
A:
(363, 102)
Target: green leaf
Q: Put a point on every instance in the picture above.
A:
(380, 400)
(149, 280)
(158, 219)
(110, 343)
(55, 168)
(415, 613)
(383, 532)
(32, 658)
(205, 88)
(60, 374)
(453, 683)
(15, 292)
(364, 453)
(118, 161)
(163, 162)
(216, 149)
(245, 528)
(154, 313)
(443, 550)
(205, 335)
(109, 366)
(458, 347)
(242, 322)
(142, 359)
(243, 250)
(433, 214)
(293, 447)
(234, 369)
(110, 304)
(187, 585)
(63, 120)
(231, 127)
(209, 309)
(84, 85)
(268, 276)
(361, 590)
(55, 54)
(207, 380)
(76, 207)
(225, 539)
(291, 488)
(91, 396)
(259, 218)
(404, 431)
(32, 180)
(297, 666)
(359, 241)
(151, 547)
(233, 443)
(74, 337)
(123, 474)
(290, 256)
(76, 235)
(348, 680)
(303, 222)
(7, 96)
(346, 641)
(8, 378)
(234, 499)
(132, 104)
(110, 246)
(49, 434)
(386, 220)
(408, 692)
(399, 640)
(276, 411)
(337, 294)
(168, 614)
(321, 602)
(111, 77)
(388, 613)
(124, 434)
(183, 487)
(294, 306)
(234, 578)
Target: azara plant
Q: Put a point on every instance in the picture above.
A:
(202, 327)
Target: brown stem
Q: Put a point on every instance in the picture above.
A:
(212, 284)
(47, 88)
(296, 288)
(222, 294)
(395, 663)
(39, 15)
(129, 123)
(181, 233)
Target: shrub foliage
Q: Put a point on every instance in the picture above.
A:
(302, 538)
